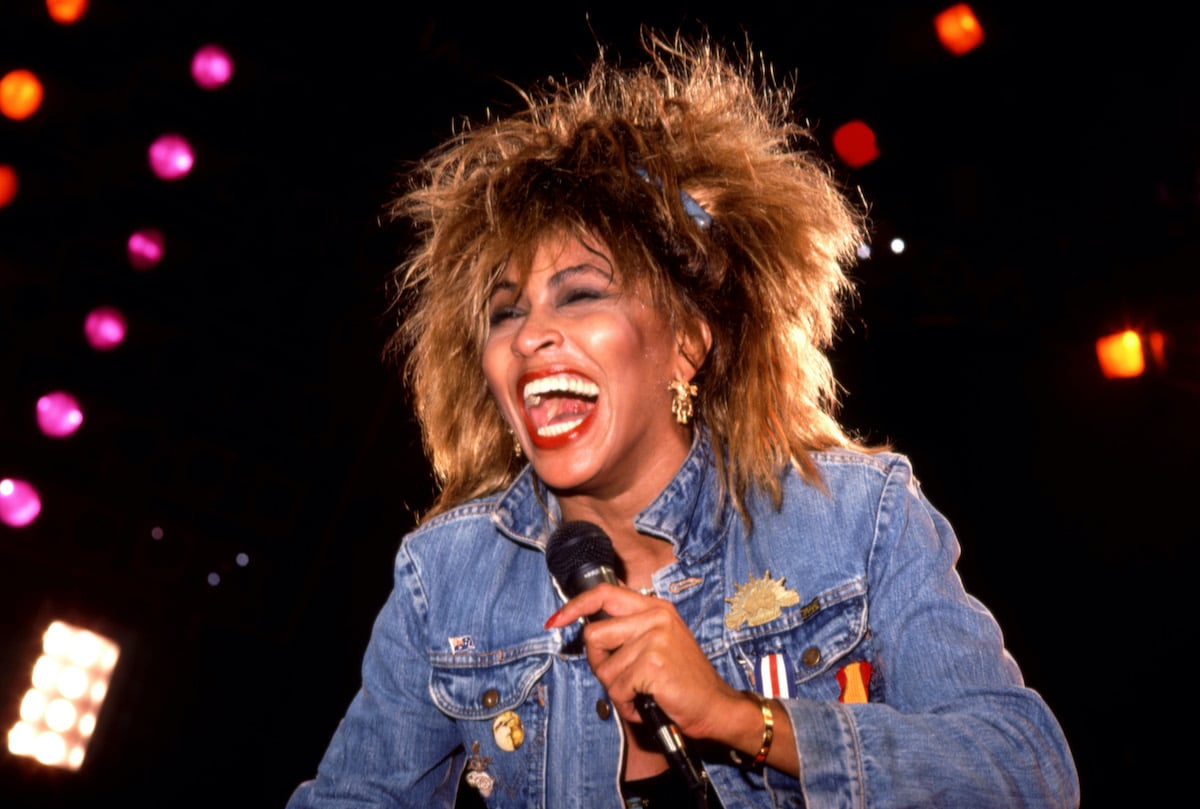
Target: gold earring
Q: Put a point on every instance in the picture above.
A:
(516, 444)
(681, 402)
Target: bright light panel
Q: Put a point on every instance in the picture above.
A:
(67, 687)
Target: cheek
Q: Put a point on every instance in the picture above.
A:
(619, 340)
(655, 349)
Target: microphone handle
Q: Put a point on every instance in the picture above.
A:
(670, 741)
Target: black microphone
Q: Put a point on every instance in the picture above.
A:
(580, 556)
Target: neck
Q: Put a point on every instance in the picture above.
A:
(638, 554)
(614, 511)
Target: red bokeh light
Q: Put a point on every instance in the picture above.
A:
(855, 144)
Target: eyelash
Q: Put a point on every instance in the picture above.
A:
(504, 313)
(582, 294)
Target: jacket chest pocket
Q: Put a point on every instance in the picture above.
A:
(821, 651)
(502, 716)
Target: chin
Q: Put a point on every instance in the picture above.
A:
(565, 476)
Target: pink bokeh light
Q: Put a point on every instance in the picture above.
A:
(171, 156)
(19, 502)
(145, 248)
(58, 414)
(104, 328)
(211, 67)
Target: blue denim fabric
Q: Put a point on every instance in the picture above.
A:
(460, 641)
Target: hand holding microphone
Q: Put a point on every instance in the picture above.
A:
(580, 557)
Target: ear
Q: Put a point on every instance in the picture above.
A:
(694, 342)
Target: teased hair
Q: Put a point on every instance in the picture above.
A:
(605, 158)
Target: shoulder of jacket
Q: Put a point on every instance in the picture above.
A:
(887, 465)
(883, 461)
(453, 519)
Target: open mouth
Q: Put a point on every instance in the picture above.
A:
(557, 405)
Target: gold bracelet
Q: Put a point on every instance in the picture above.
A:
(767, 737)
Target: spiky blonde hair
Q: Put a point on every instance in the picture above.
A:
(606, 158)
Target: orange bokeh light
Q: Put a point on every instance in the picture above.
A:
(20, 94)
(958, 29)
(8, 184)
(1157, 343)
(66, 12)
(1121, 355)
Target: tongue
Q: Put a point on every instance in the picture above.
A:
(558, 408)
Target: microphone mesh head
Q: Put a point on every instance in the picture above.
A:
(578, 545)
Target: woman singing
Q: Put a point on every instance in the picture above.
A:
(615, 323)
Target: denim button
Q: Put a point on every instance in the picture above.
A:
(810, 656)
(603, 709)
(490, 698)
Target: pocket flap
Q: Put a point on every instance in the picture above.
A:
(488, 685)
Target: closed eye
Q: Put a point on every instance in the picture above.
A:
(581, 294)
(503, 303)
(502, 313)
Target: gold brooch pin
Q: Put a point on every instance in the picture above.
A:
(758, 601)
(508, 731)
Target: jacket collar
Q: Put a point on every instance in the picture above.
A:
(688, 512)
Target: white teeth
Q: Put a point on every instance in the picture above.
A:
(551, 430)
(560, 383)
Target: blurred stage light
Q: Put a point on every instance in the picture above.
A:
(958, 29)
(58, 414)
(145, 248)
(69, 683)
(19, 502)
(20, 94)
(855, 144)
(104, 328)
(171, 157)
(211, 67)
(1120, 355)
(8, 184)
(66, 12)
(1157, 343)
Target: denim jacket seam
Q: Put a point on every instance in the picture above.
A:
(498, 657)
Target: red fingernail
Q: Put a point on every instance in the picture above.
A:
(550, 620)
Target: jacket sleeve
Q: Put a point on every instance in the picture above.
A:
(392, 748)
(956, 726)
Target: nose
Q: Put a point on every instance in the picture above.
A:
(538, 331)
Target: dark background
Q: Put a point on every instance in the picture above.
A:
(1045, 184)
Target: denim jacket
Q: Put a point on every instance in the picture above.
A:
(896, 681)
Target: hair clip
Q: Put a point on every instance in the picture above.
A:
(701, 217)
